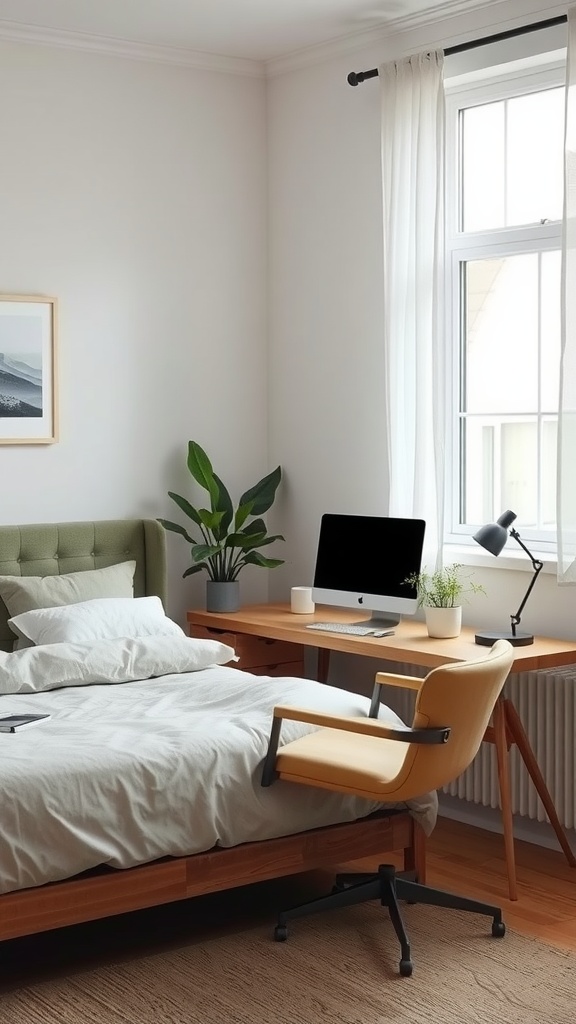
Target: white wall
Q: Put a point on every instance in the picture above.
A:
(326, 415)
(135, 193)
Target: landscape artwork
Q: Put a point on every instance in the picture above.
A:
(27, 370)
(21, 368)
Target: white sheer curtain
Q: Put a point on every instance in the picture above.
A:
(412, 93)
(567, 407)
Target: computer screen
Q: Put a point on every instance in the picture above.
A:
(363, 561)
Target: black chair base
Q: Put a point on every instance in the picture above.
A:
(388, 887)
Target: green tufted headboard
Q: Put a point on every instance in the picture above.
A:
(49, 549)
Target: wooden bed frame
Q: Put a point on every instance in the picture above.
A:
(50, 549)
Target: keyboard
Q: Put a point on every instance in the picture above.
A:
(354, 630)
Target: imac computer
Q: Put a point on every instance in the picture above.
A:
(363, 561)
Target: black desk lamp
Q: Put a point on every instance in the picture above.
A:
(493, 537)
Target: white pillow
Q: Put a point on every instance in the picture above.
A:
(51, 666)
(104, 618)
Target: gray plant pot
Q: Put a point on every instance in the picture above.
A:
(222, 597)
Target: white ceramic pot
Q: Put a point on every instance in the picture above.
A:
(443, 623)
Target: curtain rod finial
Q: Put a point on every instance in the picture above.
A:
(355, 77)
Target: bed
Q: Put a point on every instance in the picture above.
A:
(143, 786)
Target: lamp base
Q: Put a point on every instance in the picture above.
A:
(520, 640)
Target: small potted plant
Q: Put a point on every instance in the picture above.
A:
(440, 593)
(228, 538)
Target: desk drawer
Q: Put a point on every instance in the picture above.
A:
(256, 653)
(286, 668)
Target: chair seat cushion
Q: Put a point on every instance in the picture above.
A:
(342, 761)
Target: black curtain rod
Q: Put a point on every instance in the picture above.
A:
(355, 77)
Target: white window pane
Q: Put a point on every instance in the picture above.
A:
(500, 469)
(501, 344)
(550, 329)
(479, 472)
(549, 461)
(483, 148)
(519, 470)
(512, 161)
(535, 129)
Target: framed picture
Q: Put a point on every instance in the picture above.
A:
(28, 399)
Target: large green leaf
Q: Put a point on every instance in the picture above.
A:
(186, 507)
(203, 551)
(256, 526)
(224, 506)
(194, 569)
(250, 543)
(263, 493)
(176, 528)
(211, 520)
(271, 539)
(245, 541)
(253, 558)
(200, 467)
(242, 513)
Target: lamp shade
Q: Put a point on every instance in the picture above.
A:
(493, 536)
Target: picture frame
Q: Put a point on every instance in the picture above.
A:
(28, 380)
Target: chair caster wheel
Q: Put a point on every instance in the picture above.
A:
(406, 968)
(498, 929)
(280, 933)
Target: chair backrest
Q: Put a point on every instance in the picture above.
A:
(461, 696)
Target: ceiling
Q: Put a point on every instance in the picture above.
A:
(251, 29)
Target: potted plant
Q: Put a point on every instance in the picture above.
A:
(440, 593)
(228, 538)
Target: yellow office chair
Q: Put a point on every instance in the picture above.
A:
(366, 757)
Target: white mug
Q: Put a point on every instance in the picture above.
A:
(301, 600)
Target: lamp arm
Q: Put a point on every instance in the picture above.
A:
(537, 566)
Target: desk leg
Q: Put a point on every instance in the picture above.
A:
(500, 739)
(518, 734)
(323, 664)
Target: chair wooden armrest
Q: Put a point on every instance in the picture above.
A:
(365, 726)
(394, 679)
(390, 679)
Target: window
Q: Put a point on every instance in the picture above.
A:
(503, 230)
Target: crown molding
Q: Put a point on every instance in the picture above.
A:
(15, 32)
(441, 13)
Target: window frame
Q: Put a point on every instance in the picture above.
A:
(462, 92)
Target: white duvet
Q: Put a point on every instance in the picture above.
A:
(124, 773)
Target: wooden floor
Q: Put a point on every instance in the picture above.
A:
(470, 861)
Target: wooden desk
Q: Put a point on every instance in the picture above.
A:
(410, 644)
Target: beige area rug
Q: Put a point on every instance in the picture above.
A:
(335, 968)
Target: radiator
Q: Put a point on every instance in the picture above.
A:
(545, 701)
